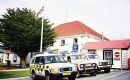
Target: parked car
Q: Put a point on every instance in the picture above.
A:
(51, 66)
(101, 64)
(83, 66)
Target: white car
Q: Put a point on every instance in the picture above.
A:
(101, 64)
(83, 66)
(51, 66)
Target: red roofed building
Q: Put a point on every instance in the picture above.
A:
(117, 51)
(72, 36)
(76, 28)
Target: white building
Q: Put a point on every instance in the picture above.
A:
(117, 52)
(1, 52)
(72, 36)
(13, 58)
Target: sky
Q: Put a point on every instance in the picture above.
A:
(110, 17)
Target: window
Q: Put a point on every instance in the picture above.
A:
(62, 42)
(15, 58)
(7, 57)
(75, 41)
(42, 60)
(108, 55)
(54, 59)
(91, 51)
(37, 60)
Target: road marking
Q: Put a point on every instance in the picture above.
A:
(114, 75)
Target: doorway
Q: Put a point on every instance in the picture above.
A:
(108, 55)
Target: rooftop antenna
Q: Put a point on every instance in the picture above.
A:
(102, 36)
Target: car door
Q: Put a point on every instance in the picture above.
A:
(42, 66)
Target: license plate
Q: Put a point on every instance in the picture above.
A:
(88, 68)
(87, 65)
(66, 73)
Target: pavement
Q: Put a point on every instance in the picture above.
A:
(28, 77)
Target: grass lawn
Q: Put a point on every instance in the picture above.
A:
(3, 64)
(14, 74)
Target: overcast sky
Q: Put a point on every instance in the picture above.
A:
(112, 17)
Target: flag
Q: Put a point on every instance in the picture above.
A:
(40, 11)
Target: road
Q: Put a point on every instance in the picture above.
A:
(113, 75)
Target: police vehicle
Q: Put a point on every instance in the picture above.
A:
(83, 66)
(51, 66)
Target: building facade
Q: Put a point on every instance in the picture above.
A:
(117, 52)
(72, 36)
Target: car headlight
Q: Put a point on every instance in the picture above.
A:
(94, 64)
(100, 63)
(109, 63)
(81, 66)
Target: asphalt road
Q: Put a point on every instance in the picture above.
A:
(113, 75)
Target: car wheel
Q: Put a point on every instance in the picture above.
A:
(71, 78)
(47, 77)
(34, 76)
(107, 70)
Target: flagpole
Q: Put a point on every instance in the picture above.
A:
(41, 43)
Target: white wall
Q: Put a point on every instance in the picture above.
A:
(11, 57)
(82, 39)
(116, 63)
(125, 57)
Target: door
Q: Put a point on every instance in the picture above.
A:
(108, 55)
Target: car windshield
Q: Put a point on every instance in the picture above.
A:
(74, 57)
(54, 59)
(93, 57)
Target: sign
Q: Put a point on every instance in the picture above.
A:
(75, 48)
(117, 56)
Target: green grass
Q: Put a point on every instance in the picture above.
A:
(14, 74)
(3, 64)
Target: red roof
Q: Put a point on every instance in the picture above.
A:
(8, 52)
(118, 44)
(75, 28)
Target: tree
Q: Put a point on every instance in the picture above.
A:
(20, 31)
